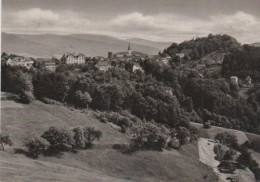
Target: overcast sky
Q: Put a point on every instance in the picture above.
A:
(160, 20)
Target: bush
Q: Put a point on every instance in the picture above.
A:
(116, 118)
(255, 145)
(227, 139)
(150, 136)
(59, 139)
(26, 97)
(36, 146)
(219, 151)
(5, 140)
(50, 101)
(207, 124)
(226, 166)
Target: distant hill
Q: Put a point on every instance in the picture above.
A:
(159, 45)
(256, 44)
(46, 45)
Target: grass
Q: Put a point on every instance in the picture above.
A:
(101, 163)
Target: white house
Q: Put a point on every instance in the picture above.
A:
(137, 67)
(72, 58)
(234, 79)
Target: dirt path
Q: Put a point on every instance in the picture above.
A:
(207, 156)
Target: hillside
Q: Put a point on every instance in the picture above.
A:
(159, 45)
(257, 44)
(101, 163)
(46, 45)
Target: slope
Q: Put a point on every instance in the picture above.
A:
(46, 45)
(159, 45)
(101, 163)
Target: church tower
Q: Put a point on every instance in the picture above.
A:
(129, 50)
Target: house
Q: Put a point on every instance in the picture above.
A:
(248, 80)
(181, 54)
(103, 66)
(20, 61)
(234, 79)
(137, 67)
(72, 58)
(49, 64)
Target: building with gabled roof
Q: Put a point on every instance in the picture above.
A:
(73, 58)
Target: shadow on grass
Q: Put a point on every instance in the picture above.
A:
(49, 153)
(125, 149)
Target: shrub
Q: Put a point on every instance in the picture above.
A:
(255, 145)
(226, 166)
(150, 136)
(50, 101)
(26, 97)
(207, 124)
(79, 137)
(219, 151)
(59, 139)
(227, 139)
(5, 140)
(36, 146)
(244, 159)
(116, 118)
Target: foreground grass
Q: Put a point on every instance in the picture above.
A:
(101, 163)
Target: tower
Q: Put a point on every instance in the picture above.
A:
(129, 50)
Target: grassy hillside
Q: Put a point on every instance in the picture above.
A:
(101, 163)
(46, 45)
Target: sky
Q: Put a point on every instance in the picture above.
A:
(157, 20)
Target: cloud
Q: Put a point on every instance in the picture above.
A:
(38, 19)
(163, 26)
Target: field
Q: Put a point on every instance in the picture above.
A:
(101, 163)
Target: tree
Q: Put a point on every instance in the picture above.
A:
(149, 135)
(78, 137)
(244, 159)
(182, 134)
(26, 97)
(82, 99)
(59, 139)
(207, 124)
(36, 146)
(91, 134)
(5, 140)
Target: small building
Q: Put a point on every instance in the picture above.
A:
(234, 79)
(20, 61)
(72, 58)
(181, 54)
(50, 65)
(103, 66)
(248, 80)
(137, 67)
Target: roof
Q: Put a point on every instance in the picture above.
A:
(102, 63)
(73, 54)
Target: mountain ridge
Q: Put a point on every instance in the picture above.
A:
(46, 45)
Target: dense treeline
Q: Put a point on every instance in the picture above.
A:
(199, 47)
(243, 62)
(164, 94)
